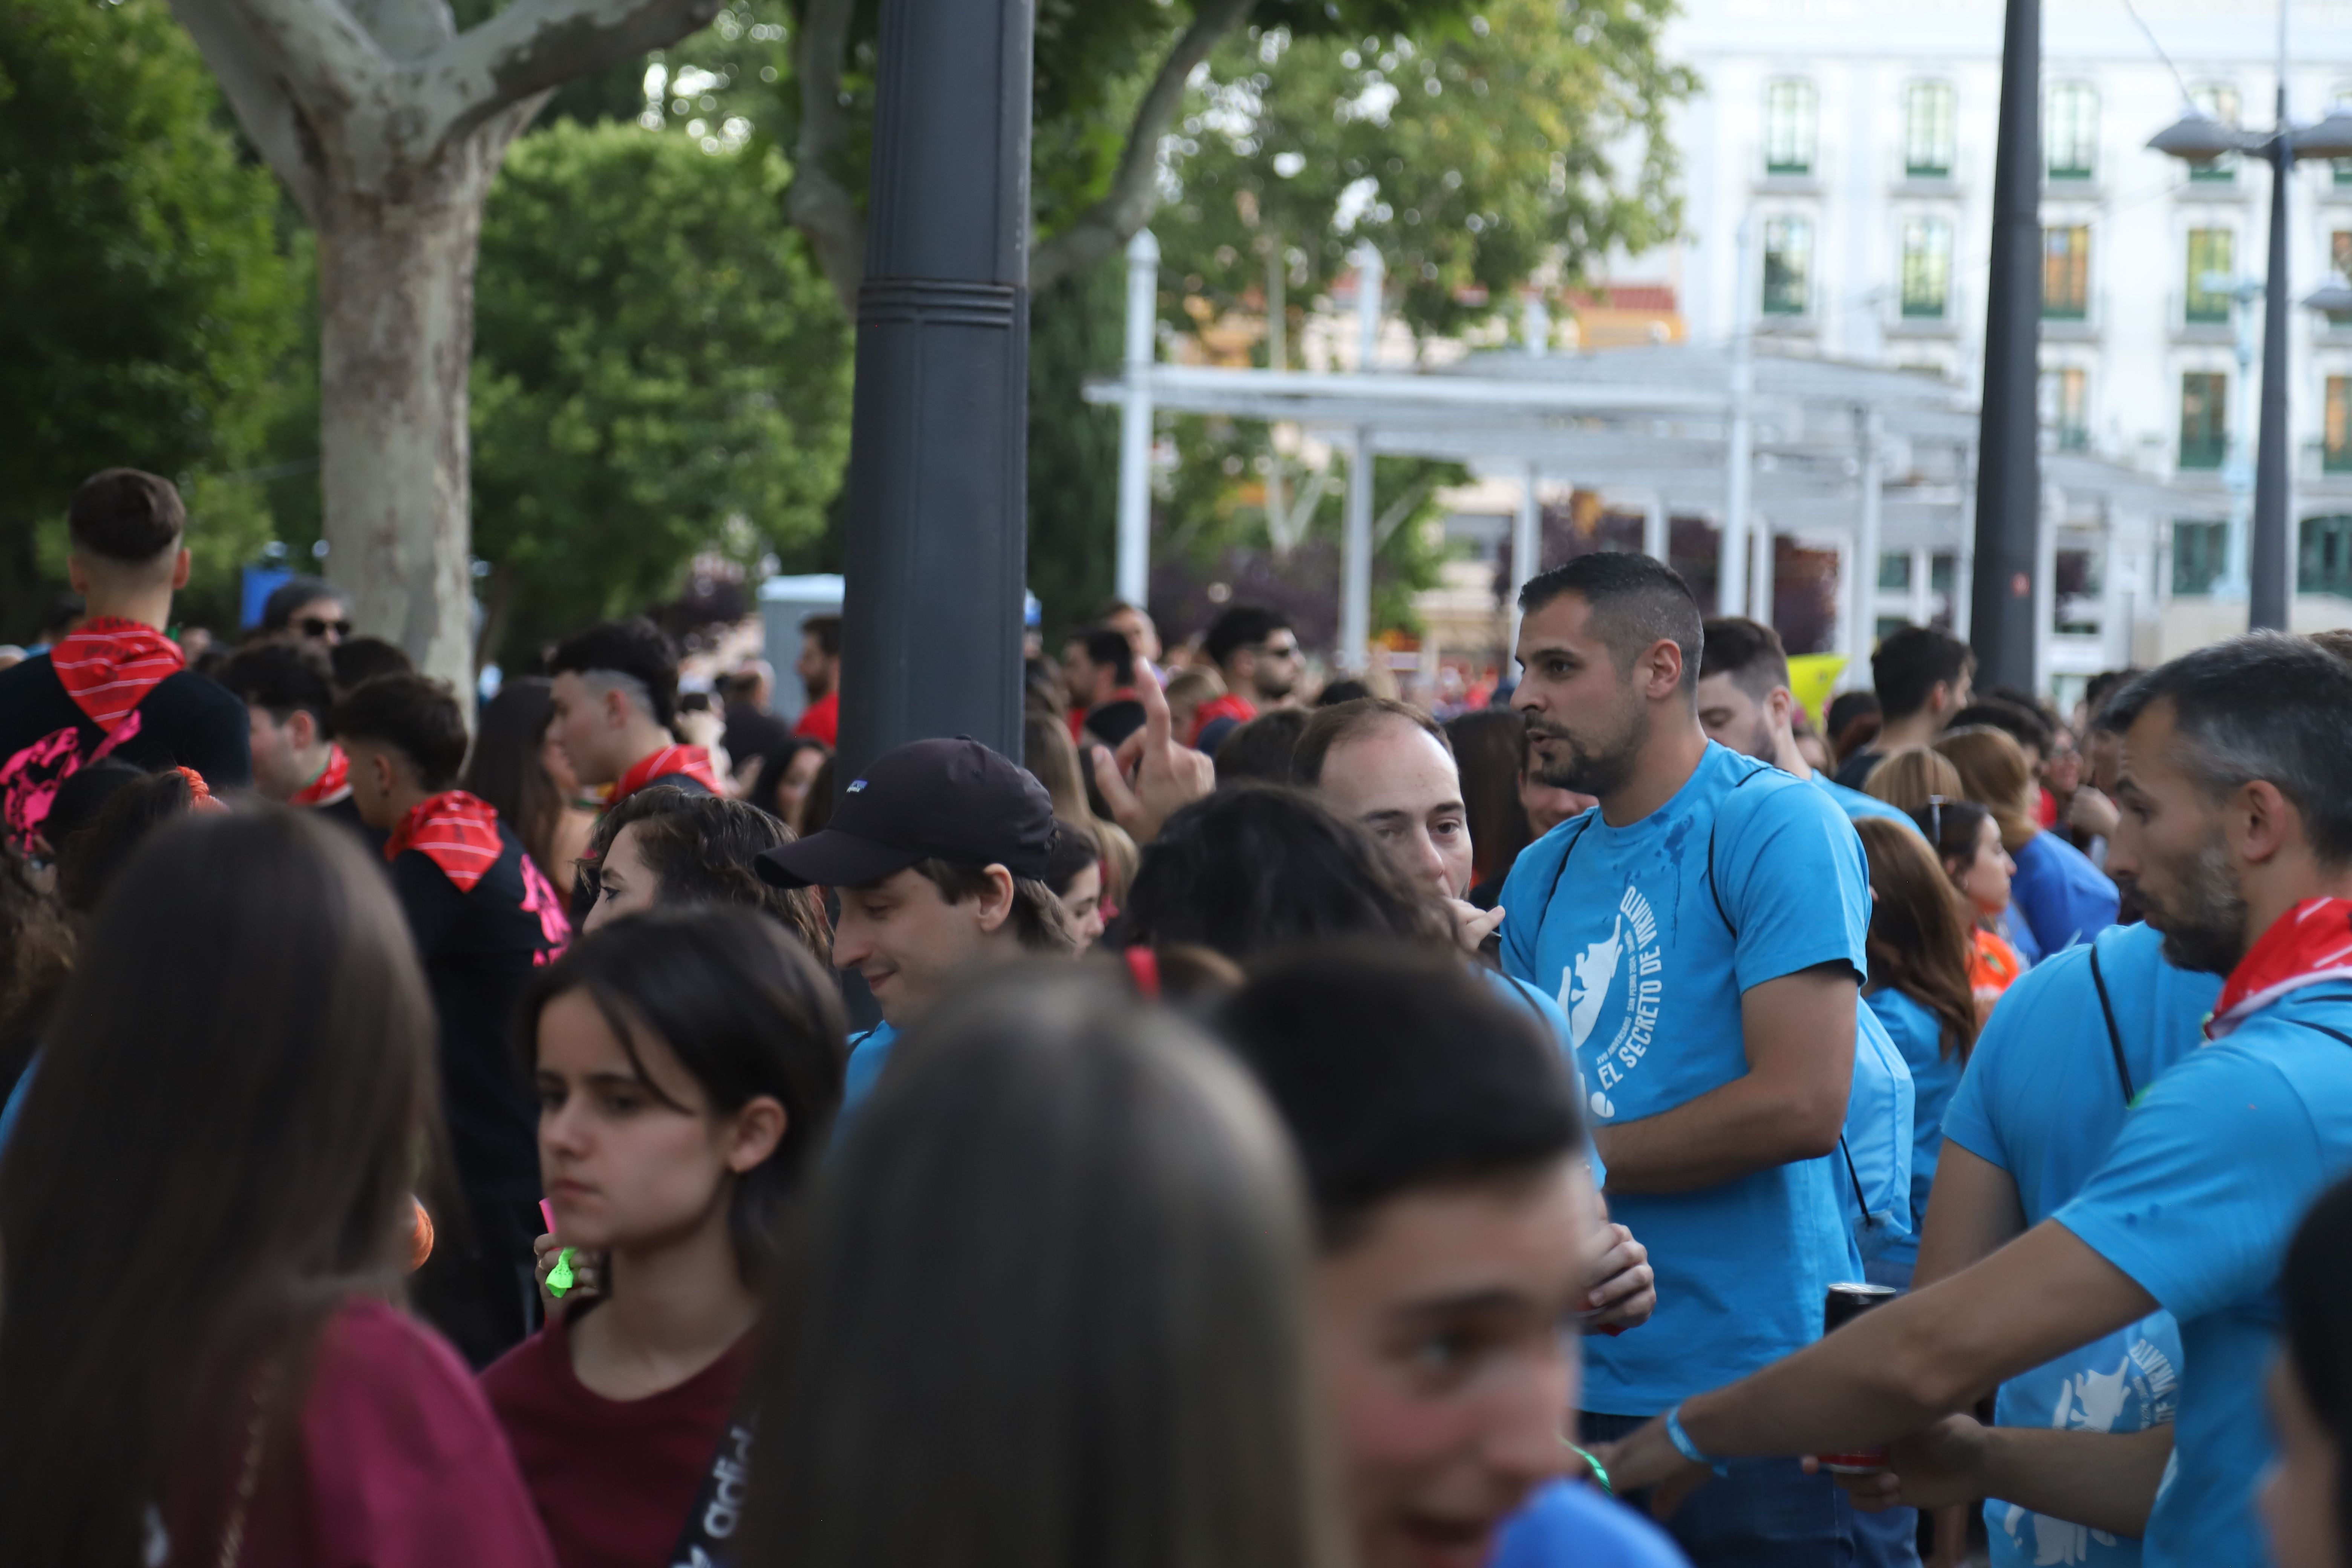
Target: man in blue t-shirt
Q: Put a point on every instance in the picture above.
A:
(2034, 1116)
(2236, 836)
(1745, 703)
(1703, 929)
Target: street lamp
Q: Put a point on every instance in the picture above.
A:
(2199, 138)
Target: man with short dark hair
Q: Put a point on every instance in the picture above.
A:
(2237, 835)
(306, 610)
(1456, 1223)
(355, 659)
(1923, 677)
(1703, 932)
(484, 918)
(1098, 667)
(939, 853)
(1257, 652)
(1134, 623)
(820, 671)
(615, 695)
(288, 695)
(1745, 703)
(115, 685)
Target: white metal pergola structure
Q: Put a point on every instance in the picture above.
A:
(1861, 459)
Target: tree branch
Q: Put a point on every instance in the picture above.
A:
(257, 93)
(534, 46)
(817, 203)
(313, 51)
(1128, 205)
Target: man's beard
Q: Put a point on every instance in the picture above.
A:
(2204, 924)
(1600, 771)
(1270, 692)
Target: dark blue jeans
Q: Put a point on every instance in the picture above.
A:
(1767, 1513)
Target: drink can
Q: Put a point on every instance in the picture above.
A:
(1845, 1303)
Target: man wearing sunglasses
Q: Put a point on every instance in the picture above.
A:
(1258, 654)
(307, 611)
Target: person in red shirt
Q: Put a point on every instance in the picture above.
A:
(688, 1065)
(207, 1215)
(820, 672)
(615, 690)
(1098, 667)
(1257, 652)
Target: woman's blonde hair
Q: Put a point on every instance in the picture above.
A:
(1908, 779)
(1993, 772)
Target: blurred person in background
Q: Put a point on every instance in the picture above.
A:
(754, 731)
(1188, 689)
(819, 668)
(1967, 841)
(1257, 653)
(1054, 761)
(1920, 962)
(1134, 623)
(1098, 667)
(1074, 872)
(785, 778)
(517, 766)
(1051, 1309)
(688, 1063)
(2035, 734)
(306, 610)
(1745, 703)
(355, 659)
(1261, 748)
(1921, 676)
(1850, 724)
(224, 1379)
(664, 848)
(287, 691)
(616, 691)
(2058, 897)
(1488, 744)
(2302, 1495)
(1908, 779)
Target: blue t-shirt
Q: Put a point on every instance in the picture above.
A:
(869, 1053)
(2059, 894)
(2205, 1186)
(1569, 1524)
(2042, 1100)
(1857, 805)
(1917, 1033)
(1520, 993)
(1635, 935)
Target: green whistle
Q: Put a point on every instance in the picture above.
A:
(560, 1278)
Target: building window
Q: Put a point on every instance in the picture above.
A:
(1928, 131)
(2204, 418)
(2066, 274)
(2065, 406)
(1788, 265)
(1927, 267)
(2212, 274)
(2076, 583)
(2197, 552)
(2221, 101)
(2339, 262)
(2071, 137)
(1895, 570)
(2336, 427)
(2325, 563)
(2341, 98)
(1789, 127)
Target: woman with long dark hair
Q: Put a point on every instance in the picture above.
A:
(1919, 957)
(782, 788)
(205, 1210)
(1488, 745)
(525, 775)
(689, 1064)
(2307, 1498)
(665, 847)
(1051, 1312)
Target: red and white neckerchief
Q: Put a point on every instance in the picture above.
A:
(455, 831)
(333, 783)
(2308, 945)
(691, 760)
(109, 666)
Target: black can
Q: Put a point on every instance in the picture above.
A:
(1844, 1304)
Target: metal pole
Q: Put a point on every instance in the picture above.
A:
(1526, 543)
(1738, 448)
(1862, 612)
(1763, 568)
(2009, 488)
(1134, 575)
(937, 476)
(1356, 556)
(1657, 529)
(2267, 603)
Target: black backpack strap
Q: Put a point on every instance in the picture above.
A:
(1717, 893)
(2334, 1033)
(2115, 1035)
(1853, 1175)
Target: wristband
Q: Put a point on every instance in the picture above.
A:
(1686, 1447)
(1593, 1464)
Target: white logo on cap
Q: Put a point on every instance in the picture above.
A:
(854, 786)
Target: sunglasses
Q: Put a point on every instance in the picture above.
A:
(319, 626)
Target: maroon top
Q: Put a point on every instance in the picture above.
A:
(614, 1478)
(402, 1464)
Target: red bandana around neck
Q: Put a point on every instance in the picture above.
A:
(691, 760)
(2310, 943)
(455, 831)
(110, 665)
(333, 783)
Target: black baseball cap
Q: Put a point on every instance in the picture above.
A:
(928, 800)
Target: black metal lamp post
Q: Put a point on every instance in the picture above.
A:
(935, 533)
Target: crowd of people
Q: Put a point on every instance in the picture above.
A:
(1628, 1124)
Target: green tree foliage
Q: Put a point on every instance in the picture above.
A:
(148, 301)
(658, 371)
(1475, 155)
(1074, 331)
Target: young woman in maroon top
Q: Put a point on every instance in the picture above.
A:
(689, 1064)
(206, 1219)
